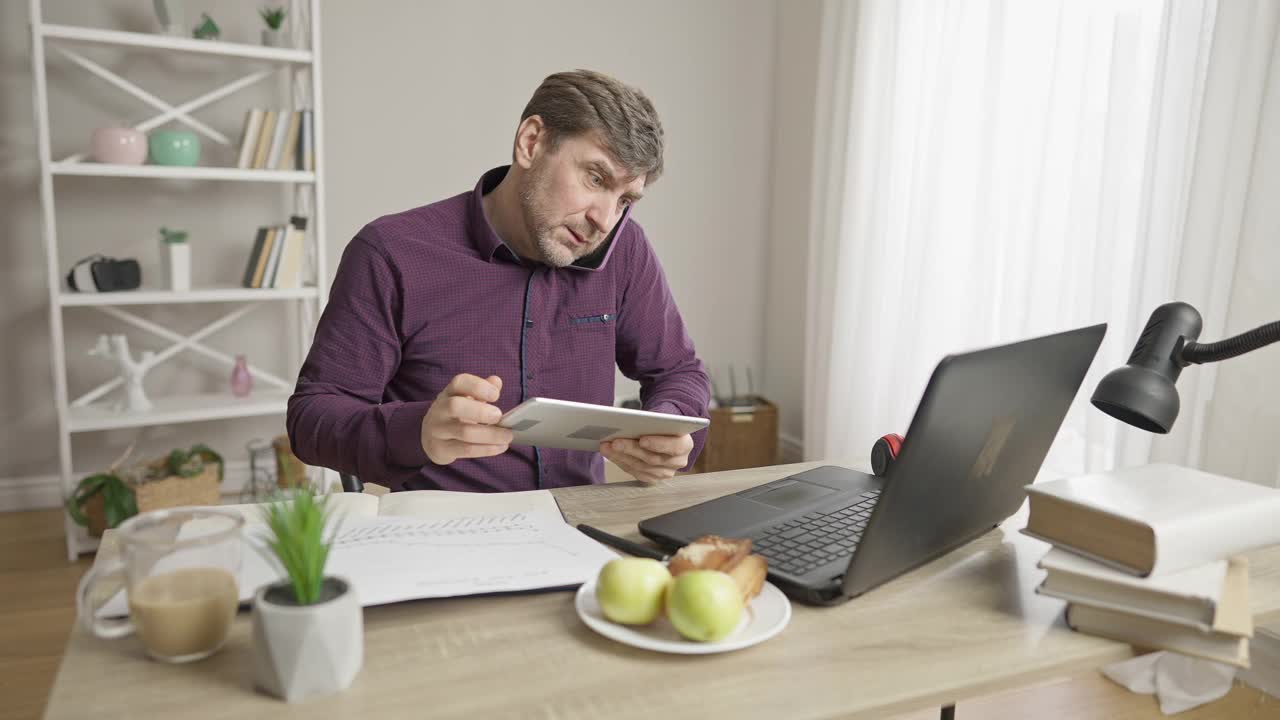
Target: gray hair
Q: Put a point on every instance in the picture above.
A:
(585, 101)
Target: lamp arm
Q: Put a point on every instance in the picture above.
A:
(1194, 353)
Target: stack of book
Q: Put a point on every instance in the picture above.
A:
(278, 140)
(1148, 555)
(279, 256)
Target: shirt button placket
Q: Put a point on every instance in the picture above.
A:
(526, 371)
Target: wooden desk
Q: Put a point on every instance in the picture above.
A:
(962, 626)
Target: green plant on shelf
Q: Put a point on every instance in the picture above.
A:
(273, 17)
(187, 462)
(172, 237)
(207, 29)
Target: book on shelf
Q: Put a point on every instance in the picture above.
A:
(263, 144)
(249, 138)
(289, 274)
(279, 132)
(260, 264)
(250, 270)
(1210, 597)
(1154, 519)
(306, 141)
(289, 151)
(273, 259)
(434, 543)
(1225, 647)
(277, 258)
(277, 139)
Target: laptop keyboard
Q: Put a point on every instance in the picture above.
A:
(809, 541)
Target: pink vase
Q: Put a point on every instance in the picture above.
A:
(119, 146)
(241, 380)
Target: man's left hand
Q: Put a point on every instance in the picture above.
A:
(650, 458)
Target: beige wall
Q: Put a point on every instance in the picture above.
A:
(441, 90)
(793, 126)
(420, 98)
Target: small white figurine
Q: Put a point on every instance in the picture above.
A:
(131, 372)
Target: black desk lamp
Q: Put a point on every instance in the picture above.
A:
(1142, 393)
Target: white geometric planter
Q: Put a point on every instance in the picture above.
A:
(301, 651)
(275, 38)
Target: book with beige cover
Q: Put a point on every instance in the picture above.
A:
(1154, 519)
(1145, 632)
(1212, 597)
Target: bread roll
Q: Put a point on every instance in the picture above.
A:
(709, 552)
(728, 555)
(749, 574)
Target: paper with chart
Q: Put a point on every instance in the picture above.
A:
(400, 558)
(389, 559)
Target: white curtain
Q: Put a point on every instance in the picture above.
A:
(990, 171)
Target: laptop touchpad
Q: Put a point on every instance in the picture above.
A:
(792, 495)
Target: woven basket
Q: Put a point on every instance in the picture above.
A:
(167, 492)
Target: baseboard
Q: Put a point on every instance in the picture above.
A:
(35, 492)
(41, 492)
(790, 449)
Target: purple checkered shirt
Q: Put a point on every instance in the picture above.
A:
(431, 292)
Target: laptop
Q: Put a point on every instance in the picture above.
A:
(978, 438)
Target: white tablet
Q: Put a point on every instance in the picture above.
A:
(547, 423)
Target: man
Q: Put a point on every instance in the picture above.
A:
(443, 317)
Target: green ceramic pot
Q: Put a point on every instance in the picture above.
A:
(174, 147)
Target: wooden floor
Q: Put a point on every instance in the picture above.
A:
(37, 606)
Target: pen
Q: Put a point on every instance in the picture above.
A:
(625, 546)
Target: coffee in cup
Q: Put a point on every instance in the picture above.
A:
(180, 569)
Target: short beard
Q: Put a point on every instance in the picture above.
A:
(541, 227)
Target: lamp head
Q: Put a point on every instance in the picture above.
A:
(1142, 393)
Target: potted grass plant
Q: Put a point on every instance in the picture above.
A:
(308, 629)
(273, 34)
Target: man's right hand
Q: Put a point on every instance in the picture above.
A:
(462, 422)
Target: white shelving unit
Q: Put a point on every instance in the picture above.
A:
(94, 410)
(180, 173)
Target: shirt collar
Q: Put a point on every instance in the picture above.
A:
(487, 242)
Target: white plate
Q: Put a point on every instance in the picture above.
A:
(766, 616)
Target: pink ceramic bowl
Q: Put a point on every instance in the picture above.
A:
(119, 146)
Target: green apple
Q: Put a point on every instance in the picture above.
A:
(704, 605)
(631, 590)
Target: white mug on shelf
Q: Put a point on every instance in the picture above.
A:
(177, 259)
(179, 263)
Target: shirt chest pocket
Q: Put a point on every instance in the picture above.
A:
(591, 320)
(585, 336)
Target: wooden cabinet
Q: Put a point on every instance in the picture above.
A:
(740, 438)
